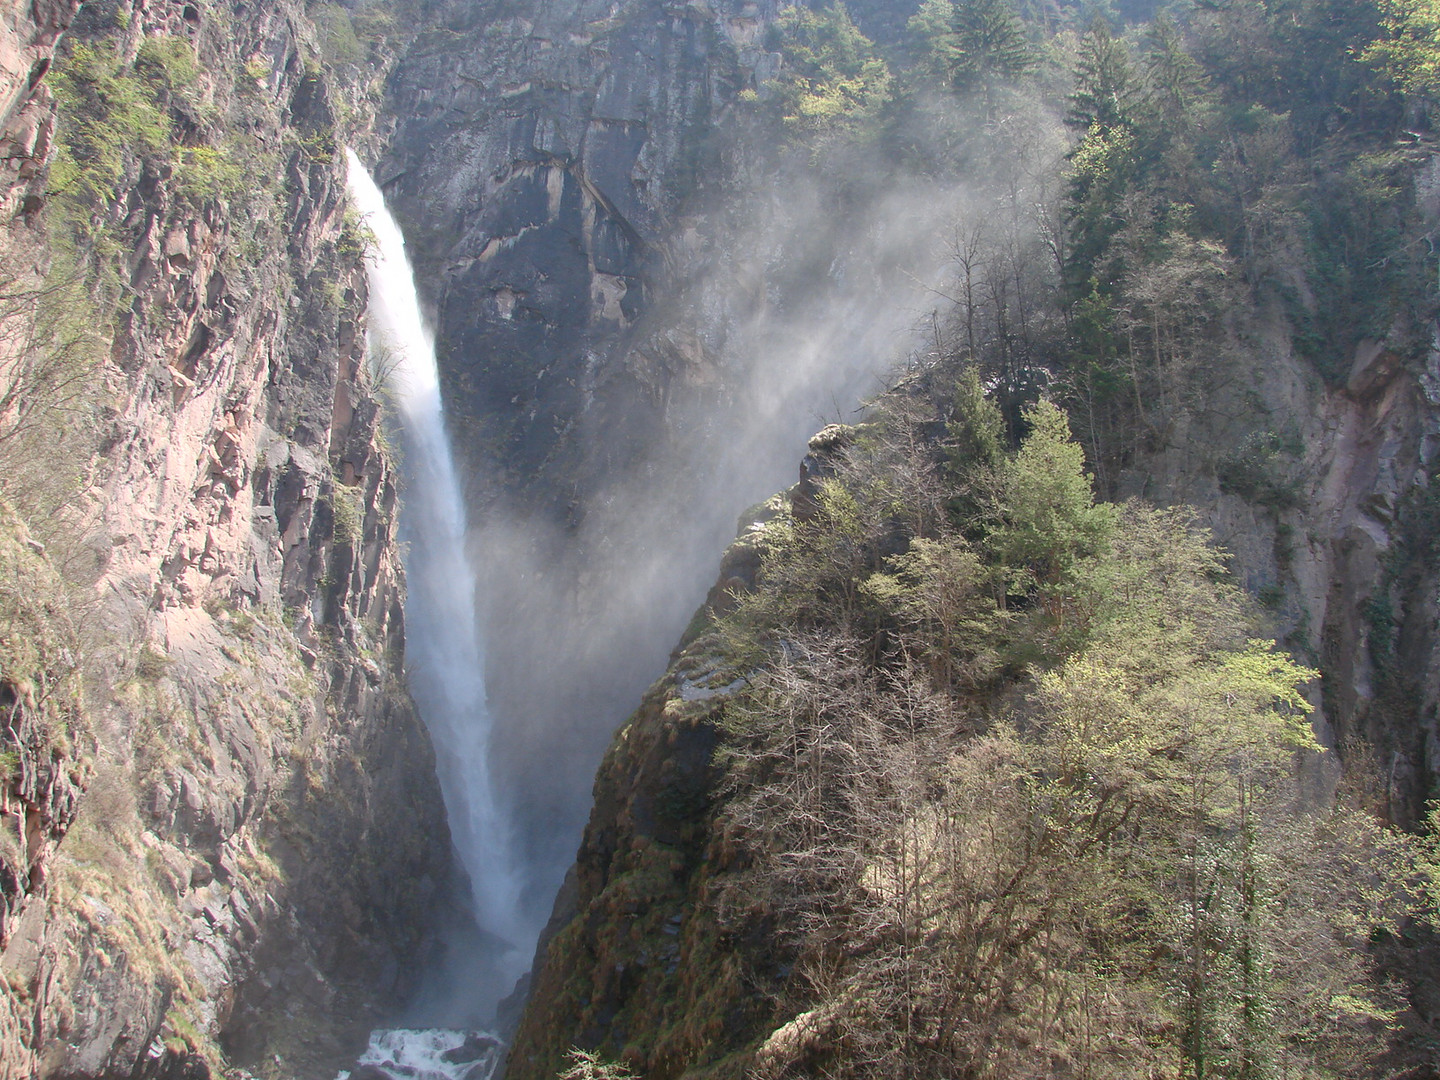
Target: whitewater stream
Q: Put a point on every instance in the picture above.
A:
(445, 653)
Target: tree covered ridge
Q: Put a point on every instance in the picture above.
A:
(1225, 155)
(1013, 779)
(1018, 788)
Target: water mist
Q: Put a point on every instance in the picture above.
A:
(445, 653)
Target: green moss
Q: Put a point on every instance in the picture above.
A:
(338, 41)
(347, 505)
(185, 1034)
(168, 63)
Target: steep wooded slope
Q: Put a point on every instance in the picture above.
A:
(1233, 300)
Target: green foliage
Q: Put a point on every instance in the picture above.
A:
(117, 116)
(347, 506)
(1103, 166)
(1033, 776)
(356, 237)
(1124, 855)
(976, 429)
(151, 663)
(1428, 864)
(1256, 470)
(112, 120)
(973, 44)
(811, 569)
(1047, 521)
(1018, 781)
(1254, 135)
(1361, 222)
(1408, 50)
(942, 597)
(1300, 57)
(833, 80)
(339, 43)
(168, 64)
(1107, 87)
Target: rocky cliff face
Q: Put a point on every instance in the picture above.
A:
(545, 162)
(223, 842)
(543, 157)
(641, 310)
(1325, 494)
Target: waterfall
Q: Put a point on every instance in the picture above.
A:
(445, 654)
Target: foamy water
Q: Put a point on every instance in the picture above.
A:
(430, 1054)
(445, 653)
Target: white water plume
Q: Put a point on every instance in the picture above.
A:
(445, 652)
(430, 1054)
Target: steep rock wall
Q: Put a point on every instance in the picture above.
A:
(1325, 495)
(546, 163)
(542, 159)
(223, 841)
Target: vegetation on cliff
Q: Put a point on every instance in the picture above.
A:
(1021, 789)
(1240, 152)
(970, 774)
(1007, 782)
(1006, 772)
(220, 831)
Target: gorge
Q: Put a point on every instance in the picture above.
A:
(1062, 296)
(447, 669)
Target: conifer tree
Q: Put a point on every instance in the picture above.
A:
(972, 44)
(1107, 87)
(833, 78)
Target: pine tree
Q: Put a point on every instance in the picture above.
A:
(973, 44)
(1107, 87)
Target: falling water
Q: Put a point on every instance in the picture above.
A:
(444, 650)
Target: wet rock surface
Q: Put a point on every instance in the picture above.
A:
(543, 156)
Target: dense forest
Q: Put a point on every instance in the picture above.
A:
(1014, 775)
